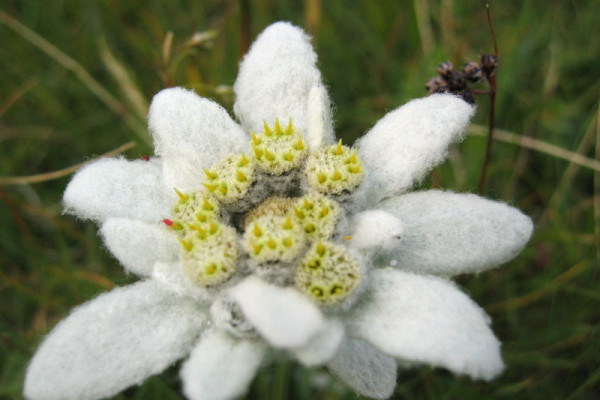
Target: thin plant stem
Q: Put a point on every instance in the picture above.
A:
(280, 387)
(245, 27)
(312, 15)
(537, 145)
(597, 188)
(492, 94)
(424, 25)
(48, 176)
(80, 72)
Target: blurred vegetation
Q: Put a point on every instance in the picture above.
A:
(60, 108)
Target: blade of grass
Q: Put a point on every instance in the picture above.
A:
(18, 180)
(597, 188)
(132, 93)
(424, 25)
(592, 380)
(573, 168)
(12, 99)
(536, 295)
(537, 145)
(80, 72)
(312, 14)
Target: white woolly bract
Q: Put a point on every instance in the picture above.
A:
(408, 142)
(171, 274)
(114, 341)
(221, 367)
(138, 245)
(428, 320)
(448, 233)
(323, 346)
(320, 122)
(115, 187)
(275, 79)
(283, 316)
(365, 369)
(376, 228)
(191, 133)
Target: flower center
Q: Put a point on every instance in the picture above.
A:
(273, 214)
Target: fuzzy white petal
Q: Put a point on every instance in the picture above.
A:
(427, 319)
(323, 346)
(171, 275)
(221, 367)
(283, 316)
(275, 79)
(408, 142)
(191, 133)
(448, 233)
(320, 121)
(115, 187)
(114, 341)
(365, 369)
(138, 245)
(376, 229)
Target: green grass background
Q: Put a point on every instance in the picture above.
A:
(374, 55)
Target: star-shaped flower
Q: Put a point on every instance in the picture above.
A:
(278, 239)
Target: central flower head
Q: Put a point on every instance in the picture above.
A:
(272, 213)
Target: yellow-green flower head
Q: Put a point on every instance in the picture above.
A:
(317, 214)
(195, 208)
(230, 179)
(273, 238)
(329, 273)
(278, 150)
(334, 169)
(209, 254)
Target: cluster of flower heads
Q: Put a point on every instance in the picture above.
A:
(456, 82)
(285, 228)
(278, 240)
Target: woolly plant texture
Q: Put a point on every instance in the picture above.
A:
(268, 236)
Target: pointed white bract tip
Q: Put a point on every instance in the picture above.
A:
(408, 142)
(365, 369)
(324, 345)
(115, 187)
(117, 340)
(454, 233)
(283, 316)
(439, 324)
(320, 120)
(275, 78)
(221, 367)
(376, 228)
(191, 133)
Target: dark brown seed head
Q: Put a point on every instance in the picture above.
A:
(488, 63)
(457, 82)
(435, 85)
(473, 72)
(445, 69)
(467, 96)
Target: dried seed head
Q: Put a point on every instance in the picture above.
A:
(473, 72)
(456, 82)
(436, 85)
(445, 69)
(489, 62)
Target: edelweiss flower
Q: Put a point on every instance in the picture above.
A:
(279, 239)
